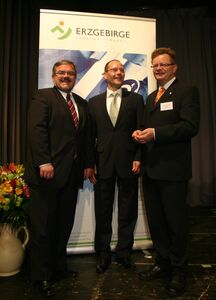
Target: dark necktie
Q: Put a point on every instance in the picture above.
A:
(114, 109)
(73, 110)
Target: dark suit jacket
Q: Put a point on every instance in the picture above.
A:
(53, 137)
(115, 148)
(176, 120)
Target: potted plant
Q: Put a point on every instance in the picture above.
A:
(14, 218)
(14, 195)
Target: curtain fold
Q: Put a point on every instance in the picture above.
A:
(18, 49)
(190, 34)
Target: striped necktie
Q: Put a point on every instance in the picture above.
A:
(73, 110)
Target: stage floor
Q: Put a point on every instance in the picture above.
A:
(118, 284)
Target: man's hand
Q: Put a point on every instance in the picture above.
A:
(136, 166)
(47, 171)
(144, 136)
(89, 173)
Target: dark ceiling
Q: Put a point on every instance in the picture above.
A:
(106, 5)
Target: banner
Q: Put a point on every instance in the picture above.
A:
(90, 41)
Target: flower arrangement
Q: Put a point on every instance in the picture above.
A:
(14, 195)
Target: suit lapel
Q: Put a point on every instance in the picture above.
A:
(80, 110)
(124, 101)
(164, 98)
(103, 108)
(63, 103)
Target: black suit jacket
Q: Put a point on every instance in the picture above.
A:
(176, 120)
(115, 148)
(53, 137)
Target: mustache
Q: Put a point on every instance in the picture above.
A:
(65, 79)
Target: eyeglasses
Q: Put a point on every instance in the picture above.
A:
(162, 65)
(114, 70)
(62, 73)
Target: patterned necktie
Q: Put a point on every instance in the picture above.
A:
(159, 93)
(73, 110)
(114, 109)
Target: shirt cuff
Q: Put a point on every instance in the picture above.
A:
(48, 164)
(154, 134)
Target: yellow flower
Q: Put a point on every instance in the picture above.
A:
(1, 199)
(18, 191)
(14, 194)
(7, 188)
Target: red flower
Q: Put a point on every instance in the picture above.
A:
(12, 167)
(26, 191)
(13, 183)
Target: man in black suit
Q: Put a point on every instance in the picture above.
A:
(170, 122)
(117, 159)
(58, 160)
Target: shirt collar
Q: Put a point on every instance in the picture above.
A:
(64, 94)
(110, 92)
(169, 83)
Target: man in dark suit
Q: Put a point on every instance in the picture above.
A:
(58, 160)
(170, 122)
(117, 159)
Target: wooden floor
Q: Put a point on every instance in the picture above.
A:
(118, 284)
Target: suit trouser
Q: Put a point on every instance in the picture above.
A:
(127, 214)
(52, 212)
(167, 214)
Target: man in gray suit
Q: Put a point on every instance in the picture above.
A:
(170, 122)
(59, 157)
(117, 159)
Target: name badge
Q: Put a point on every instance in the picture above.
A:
(166, 106)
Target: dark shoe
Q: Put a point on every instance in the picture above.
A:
(177, 284)
(61, 275)
(155, 272)
(45, 288)
(126, 262)
(102, 264)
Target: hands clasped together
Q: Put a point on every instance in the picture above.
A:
(144, 136)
